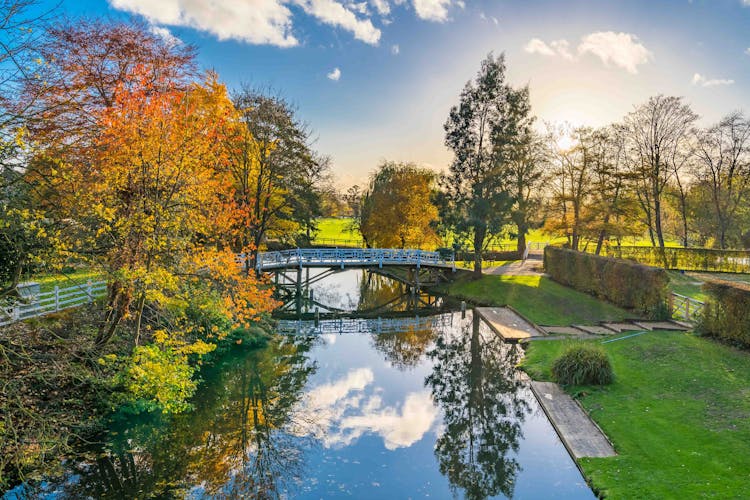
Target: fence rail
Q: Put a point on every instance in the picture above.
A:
(48, 302)
(360, 325)
(685, 308)
(351, 257)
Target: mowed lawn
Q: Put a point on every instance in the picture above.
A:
(47, 282)
(337, 228)
(539, 299)
(678, 415)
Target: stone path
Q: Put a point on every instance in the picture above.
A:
(580, 435)
(508, 324)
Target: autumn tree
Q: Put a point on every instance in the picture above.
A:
(657, 130)
(397, 210)
(276, 171)
(723, 154)
(476, 199)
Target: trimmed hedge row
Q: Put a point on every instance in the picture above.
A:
(726, 314)
(627, 284)
(686, 259)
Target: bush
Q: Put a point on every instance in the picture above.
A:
(627, 284)
(583, 364)
(726, 315)
(686, 259)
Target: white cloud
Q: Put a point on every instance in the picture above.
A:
(336, 14)
(253, 21)
(621, 49)
(537, 46)
(398, 428)
(334, 75)
(395, 50)
(382, 6)
(747, 51)
(432, 10)
(258, 21)
(701, 80)
(746, 3)
(165, 35)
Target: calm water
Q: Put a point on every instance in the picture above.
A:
(434, 410)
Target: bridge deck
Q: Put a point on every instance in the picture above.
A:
(351, 257)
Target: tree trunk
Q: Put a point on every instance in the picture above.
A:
(521, 247)
(479, 235)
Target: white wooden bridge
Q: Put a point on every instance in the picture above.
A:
(351, 257)
(361, 325)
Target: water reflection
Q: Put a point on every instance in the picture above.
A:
(235, 443)
(475, 384)
(433, 410)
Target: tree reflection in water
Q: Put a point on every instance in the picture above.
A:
(236, 443)
(474, 382)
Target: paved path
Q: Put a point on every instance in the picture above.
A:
(578, 432)
(507, 323)
(526, 267)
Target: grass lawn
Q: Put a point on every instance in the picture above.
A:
(677, 414)
(337, 228)
(538, 298)
(47, 282)
(686, 284)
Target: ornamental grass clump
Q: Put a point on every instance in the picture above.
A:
(583, 364)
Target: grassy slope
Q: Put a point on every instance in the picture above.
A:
(539, 299)
(677, 415)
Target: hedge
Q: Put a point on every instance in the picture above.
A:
(726, 314)
(686, 259)
(627, 284)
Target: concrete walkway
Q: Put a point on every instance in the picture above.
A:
(580, 435)
(528, 267)
(508, 324)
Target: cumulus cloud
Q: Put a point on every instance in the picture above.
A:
(432, 10)
(395, 49)
(258, 21)
(253, 21)
(165, 35)
(334, 75)
(701, 80)
(336, 14)
(619, 49)
(381, 6)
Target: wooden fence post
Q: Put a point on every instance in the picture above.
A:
(57, 298)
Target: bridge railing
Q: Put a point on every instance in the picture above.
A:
(342, 257)
(360, 325)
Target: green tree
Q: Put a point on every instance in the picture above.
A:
(476, 202)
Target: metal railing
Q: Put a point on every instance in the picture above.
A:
(353, 326)
(685, 308)
(48, 302)
(352, 257)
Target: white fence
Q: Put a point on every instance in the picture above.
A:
(48, 302)
(352, 257)
(685, 308)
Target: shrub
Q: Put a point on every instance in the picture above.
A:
(624, 283)
(726, 315)
(583, 364)
(686, 259)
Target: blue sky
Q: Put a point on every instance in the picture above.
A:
(402, 63)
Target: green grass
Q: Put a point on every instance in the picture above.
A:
(686, 284)
(677, 414)
(337, 228)
(538, 298)
(47, 282)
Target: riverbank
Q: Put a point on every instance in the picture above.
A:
(537, 298)
(676, 414)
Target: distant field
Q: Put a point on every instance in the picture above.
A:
(47, 282)
(336, 228)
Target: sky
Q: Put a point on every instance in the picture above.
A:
(375, 79)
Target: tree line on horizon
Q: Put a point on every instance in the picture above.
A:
(655, 174)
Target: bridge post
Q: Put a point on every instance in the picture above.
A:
(380, 253)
